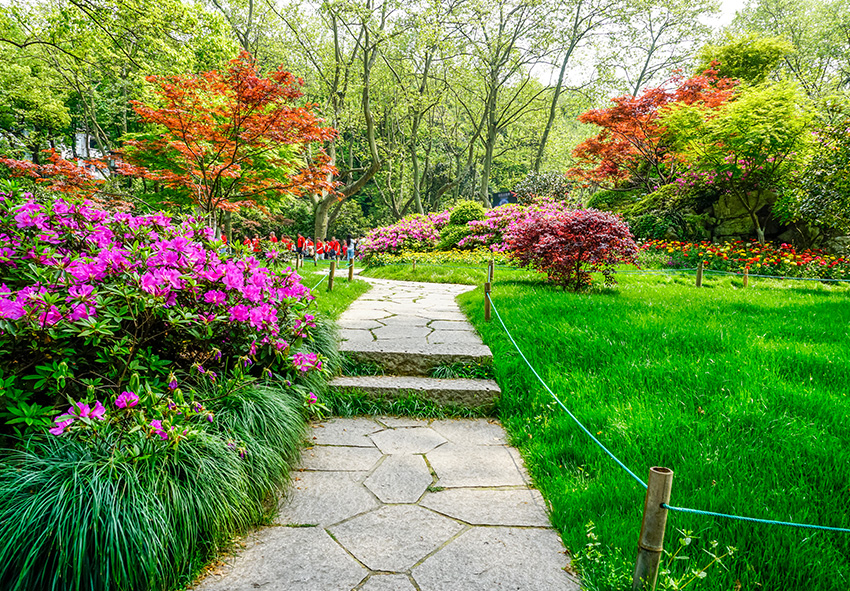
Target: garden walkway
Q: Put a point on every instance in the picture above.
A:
(400, 504)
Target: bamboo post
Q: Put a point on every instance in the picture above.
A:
(490, 271)
(746, 276)
(331, 276)
(414, 264)
(351, 270)
(699, 274)
(651, 541)
(487, 301)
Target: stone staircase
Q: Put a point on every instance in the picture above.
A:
(407, 329)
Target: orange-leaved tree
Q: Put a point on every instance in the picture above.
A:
(633, 144)
(58, 174)
(225, 140)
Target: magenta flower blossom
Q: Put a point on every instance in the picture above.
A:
(312, 398)
(305, 362)
(127, 399)
(60, 426)
(156, 425)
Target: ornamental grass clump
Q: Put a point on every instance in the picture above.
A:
(568, 245)
(111, 508)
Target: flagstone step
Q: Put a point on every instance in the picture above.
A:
(414, 358)
(457, 392)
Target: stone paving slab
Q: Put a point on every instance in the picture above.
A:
(387, 528)
(333, 459)
(350, 432)
(288, 558)
(498, 559)
(521, 507)
(326, 498)
(465, 466)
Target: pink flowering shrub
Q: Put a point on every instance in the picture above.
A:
(96, 304)
(489, 232)
(414, 232)
(569, 245)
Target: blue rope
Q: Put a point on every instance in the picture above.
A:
(753, 519)
(558, 400)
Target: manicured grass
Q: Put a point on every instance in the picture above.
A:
(743, 393)
(468, 275)
(333, 303)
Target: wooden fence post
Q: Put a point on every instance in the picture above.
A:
(651, 541)
(331, 276)
(414, 264)
(351, 269)
(490, 271)
(699, 274)
(315, 260)
(487, 301)
(746, 276)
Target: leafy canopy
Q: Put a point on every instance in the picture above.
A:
(226, 140)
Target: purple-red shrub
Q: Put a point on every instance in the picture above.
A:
(569, 245)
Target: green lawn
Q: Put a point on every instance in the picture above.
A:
(743, 393)
(332, 303)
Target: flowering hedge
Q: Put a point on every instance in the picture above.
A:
(99, 307)
(414, 232)
(489, 232)
(476, 257)
(781, 261)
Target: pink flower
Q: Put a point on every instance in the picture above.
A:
(127, 400)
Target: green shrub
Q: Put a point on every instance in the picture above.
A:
(451, 235)
(657, 225)
(118, 514)
(613, 200)
(466, 211)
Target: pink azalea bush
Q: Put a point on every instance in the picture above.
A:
(414, 232)
(102, 308)
(489, 232)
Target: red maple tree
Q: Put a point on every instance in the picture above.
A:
(632, 144)
(58, 174)
(224, 140)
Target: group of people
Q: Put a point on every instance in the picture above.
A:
(305, 247)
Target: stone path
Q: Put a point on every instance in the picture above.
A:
(409, 328)
(396, 504)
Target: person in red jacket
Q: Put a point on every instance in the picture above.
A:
(320, 249)
(299, 244)
(308, 248)
(272, 237)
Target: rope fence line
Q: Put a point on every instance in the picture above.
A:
(558, 400)
(626, 468)
(641, 271)
(754, 519)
